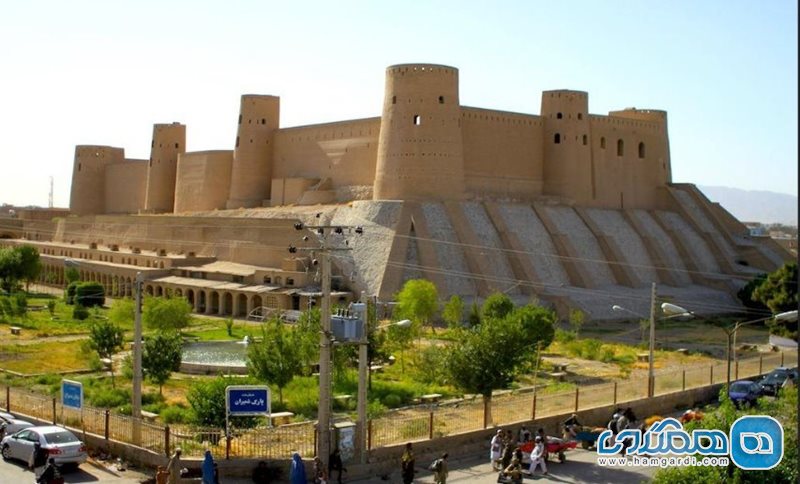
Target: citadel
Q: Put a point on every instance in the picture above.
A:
(575, 210)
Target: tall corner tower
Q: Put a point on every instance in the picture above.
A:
(87, 194)
(567, 145)
(168, 141)
(251, 171)
(420, 149)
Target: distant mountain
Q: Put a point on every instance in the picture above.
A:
(754, 205)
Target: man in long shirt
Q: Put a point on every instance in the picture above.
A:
(537, 457)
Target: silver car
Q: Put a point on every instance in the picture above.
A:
(12, 426)
(61, 445)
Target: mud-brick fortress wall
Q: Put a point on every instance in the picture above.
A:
(425, 146)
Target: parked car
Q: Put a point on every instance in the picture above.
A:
(61, 444)
(771, 384)
(744, 392)
(10, 426)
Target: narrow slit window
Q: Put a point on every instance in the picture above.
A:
(641, 150)
(559, 115)
(580, 116)
(585, 140)
(620, 147)
(441, 99)
(557, 138)
(394, 99)
(602, 143)
(417, 120)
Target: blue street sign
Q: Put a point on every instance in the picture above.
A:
(72, 394)
(246, 400)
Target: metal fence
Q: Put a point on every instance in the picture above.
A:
(410, 424)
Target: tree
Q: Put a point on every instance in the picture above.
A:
(453, 311)
(497, 305)
(487, 357)
(745, 294)
(779, 293)
(207, 398)
(90, 294)
(167, 314)
(71, 275)
(29, 266)
(418, 301)
(277, 357)
(474, 317)
(106, 338)
(307, 332)
(122, 312)
(161, 356)
(576, 320)
(538, 325)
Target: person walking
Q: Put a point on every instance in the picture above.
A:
(537, 457)
(407, 465)
(39, 459)
(495, 450)
(208, 469)
(440, 470)
(50, 473)
(174, 467)
(297, 474)
(335, 464)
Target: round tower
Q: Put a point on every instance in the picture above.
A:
(168, 141)
(251, 172)
(87, 194)
(568, 170)
(420, 147)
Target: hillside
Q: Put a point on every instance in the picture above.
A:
(754, 205)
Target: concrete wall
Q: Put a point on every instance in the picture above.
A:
(203, 180)
(125, 186)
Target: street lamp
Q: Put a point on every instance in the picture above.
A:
(731, 335)
(673, 311)
(363, 377)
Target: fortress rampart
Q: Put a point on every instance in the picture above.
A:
(425, 146)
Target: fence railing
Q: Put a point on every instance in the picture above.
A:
(396, 427)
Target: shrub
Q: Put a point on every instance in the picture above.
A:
(392, 400)
(229, 326)
(176, 414)
(80, 313)
(51, 306)
(69, 294)
(20, 304)
(564, 336)
(6, 307)
(90, 294)
(109, 397)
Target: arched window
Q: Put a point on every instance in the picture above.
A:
(641, 149)
(603, 143)
(557, 138)
(559, 115)
(417, 120)
(620, 147)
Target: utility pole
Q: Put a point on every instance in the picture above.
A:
(326, 335)
(136, 405)
(363, 368)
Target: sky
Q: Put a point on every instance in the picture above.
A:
(100, 72)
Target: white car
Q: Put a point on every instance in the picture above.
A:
(61, 445)
(12, 426)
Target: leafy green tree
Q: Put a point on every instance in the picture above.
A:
(9, 268)
(745, 294)
(122, 312)
(30, 266)
(161, 356)
(453, 311)
(497, 306)
(400, 338)
(487, 357)
(106, 338)
(418, 301)
(207, 398)
(779, 293)
(474, 317)
(167, 314)
(308, 328)
(538, 325)
(276, 359)
(71, 275)
(576, 320)
(90, 294)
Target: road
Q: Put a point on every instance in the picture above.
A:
(580, 467)
(17, 473)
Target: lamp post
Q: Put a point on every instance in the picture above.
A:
(363, 376)
(673, 311)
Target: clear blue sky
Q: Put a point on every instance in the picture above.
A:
(103, 72)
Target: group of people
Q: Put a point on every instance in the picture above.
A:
(621, 420)
(505, 453)
(321, 474)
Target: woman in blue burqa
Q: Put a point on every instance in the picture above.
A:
(208, 469)
(298, 473)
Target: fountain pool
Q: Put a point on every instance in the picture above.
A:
(207, 357)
